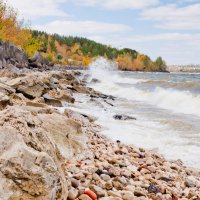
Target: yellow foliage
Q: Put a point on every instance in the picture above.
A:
(13, 31)
(75, 48)
(125, 62)
(86, 61)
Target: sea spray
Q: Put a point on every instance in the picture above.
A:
(167, 118)
(102, 69)
(115, 83)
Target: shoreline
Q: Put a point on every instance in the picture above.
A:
(84, 159)
(49, 155)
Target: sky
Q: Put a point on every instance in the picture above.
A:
(167, 28)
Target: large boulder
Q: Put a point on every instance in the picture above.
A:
(34, 145)
(11, 54)
(32, 85)
(38, 61)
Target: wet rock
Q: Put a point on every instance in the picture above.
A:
(123, 117)
(94, 80)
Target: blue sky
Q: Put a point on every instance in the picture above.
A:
(167, 28)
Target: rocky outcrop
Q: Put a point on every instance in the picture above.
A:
(32, 85)
(37, 61)
(34, 145)
(15, 56)
(11, 54)
(46, 154)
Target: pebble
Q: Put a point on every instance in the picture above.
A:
(114, 194)
(91, 194)
(109, 185)
(127, 195)
(126, 173)
(73, 193)
(105, 177)
(153, 189)
(98, 190)
(75, 183)
(84, 197)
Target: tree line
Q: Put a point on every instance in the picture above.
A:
(68, 50)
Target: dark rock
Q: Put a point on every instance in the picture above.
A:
(77, 73)
(94, 80)
(153, 189)
(37, 57)
(123, 117)
(75, 183)
(11, 54)
(166, 179)
(189, 184)
(100, 172)
(142, 155)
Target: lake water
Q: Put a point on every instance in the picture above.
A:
(167, 108)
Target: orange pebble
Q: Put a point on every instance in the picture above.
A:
(91, 194)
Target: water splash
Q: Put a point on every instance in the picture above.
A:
(102, 69)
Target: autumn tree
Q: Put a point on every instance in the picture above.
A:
(13, 30)
(160, 64)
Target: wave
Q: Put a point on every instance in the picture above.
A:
(179, 101)
(172, 84)
(175, 100)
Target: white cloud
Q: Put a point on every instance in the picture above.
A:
(175, 48)
(38, 8)
(118, 4)
(174, 17)
(81, 27)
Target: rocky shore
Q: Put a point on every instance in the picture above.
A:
(46, 154)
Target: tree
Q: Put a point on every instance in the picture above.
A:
(160, 64)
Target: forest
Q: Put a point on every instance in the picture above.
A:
(68, 50)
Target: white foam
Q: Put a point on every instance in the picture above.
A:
(147, 131)
(174, 100)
